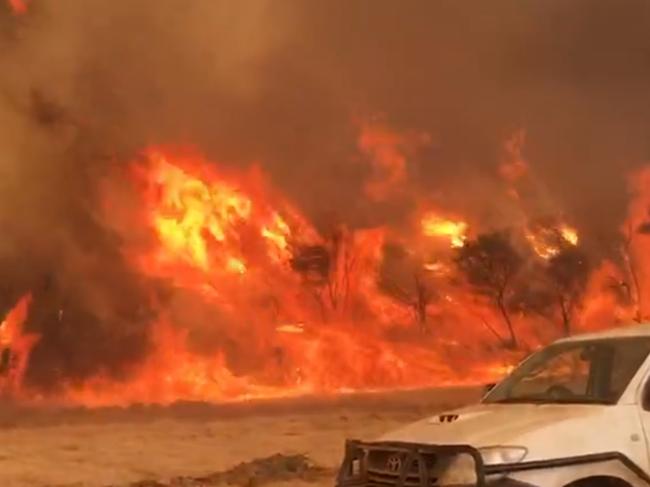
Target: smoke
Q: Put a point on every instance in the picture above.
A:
(88, 83)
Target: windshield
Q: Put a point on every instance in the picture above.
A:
(596, 371)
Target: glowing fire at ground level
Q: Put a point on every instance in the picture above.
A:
(172, 373)
(260, 304)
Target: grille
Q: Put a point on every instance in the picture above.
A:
(394, 464)
(384, 468)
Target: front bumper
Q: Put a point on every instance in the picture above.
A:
(398, 464)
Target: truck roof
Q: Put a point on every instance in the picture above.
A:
(633, 330)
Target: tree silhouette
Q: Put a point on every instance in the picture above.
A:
(634, 291)
(567, 273)
(312, 262)
(328, 270)
(404, 278)
(490, 263)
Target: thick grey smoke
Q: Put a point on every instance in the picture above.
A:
(86, 83)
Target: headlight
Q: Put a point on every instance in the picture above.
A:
(498, 455)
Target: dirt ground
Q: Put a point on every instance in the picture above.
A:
(193, 444)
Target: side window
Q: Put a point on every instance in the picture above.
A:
(627, 359)
(589, 371)
(568, 369)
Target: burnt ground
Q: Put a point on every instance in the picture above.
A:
(280, 442)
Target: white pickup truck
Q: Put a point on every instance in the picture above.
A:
(574, 414)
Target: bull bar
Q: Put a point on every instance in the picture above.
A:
(354, 471)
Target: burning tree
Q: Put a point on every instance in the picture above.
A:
(632, 288)
(405, 278)
(567, 273)
(328, 269)
(490, 264)
(313, 262)
(632, 248)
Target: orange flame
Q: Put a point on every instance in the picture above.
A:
(435, 226)
(547, 242)
(569, 234)
(18, 7)
(258, 303)
(15, 346)
(228, 242)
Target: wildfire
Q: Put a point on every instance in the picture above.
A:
(252, 301)
(569, 234)
(15, 346)
(193, 213)
(305, 310)
(547, 242)
(435, 226)
(235, 265)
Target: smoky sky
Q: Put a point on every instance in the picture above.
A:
(87, 83)
(280, 84)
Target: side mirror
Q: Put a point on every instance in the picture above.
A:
(487, 388)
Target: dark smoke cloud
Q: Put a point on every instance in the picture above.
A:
(86, 83)
(573, 74)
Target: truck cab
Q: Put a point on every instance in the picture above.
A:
(574, 414)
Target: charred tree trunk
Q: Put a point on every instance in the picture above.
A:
(421, 302)
(632, 271)
(513, 342)
(637, 289)
(566, 315)
(490, 328)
